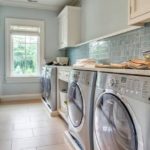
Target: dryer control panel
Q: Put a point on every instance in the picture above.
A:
(83, 77)
(137, 87)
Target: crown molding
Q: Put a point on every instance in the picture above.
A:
(29, 5)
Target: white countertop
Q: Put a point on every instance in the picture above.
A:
(109, 70)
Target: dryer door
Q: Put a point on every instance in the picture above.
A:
(48, 84)
(75, 104)
(43, 85)
(113, 126)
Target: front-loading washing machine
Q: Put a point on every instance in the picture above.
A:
(121, 112)
(80, 102)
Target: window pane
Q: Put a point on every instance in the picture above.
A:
(31, 58)
(25, 55)
(18, 39)
(32, 39)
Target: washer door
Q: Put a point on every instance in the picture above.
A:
(113, 126)
(75, 104)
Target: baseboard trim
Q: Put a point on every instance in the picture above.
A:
(22, 97)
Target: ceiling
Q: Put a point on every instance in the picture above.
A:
(54, 5)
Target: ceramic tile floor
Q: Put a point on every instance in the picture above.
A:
(29, 127)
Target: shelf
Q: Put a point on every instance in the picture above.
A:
(63, 80)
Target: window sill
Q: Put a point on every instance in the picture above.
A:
(23, 79)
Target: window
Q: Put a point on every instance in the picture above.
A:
(24, 48)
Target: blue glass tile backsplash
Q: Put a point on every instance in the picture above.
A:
(78, 53)
(114, 49)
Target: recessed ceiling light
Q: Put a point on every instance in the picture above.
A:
(33, 1)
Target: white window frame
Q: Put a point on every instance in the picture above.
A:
(22, 22)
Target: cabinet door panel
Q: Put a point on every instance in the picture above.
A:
(69, 20)
(60, 33)
(145, 6)
(65, 31)
(139, 7)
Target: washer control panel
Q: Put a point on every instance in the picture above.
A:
(136, 87)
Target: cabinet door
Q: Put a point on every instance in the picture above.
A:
(63, 31)
(139, 7)
(60, 32)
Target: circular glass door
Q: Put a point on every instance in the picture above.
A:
(43, 86)
(42, 81)
(75, 104)
(113, 126)
(48, 85)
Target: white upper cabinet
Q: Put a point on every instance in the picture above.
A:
(139, 11)
(69, 27)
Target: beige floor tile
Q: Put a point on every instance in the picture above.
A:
(13, 120)
(17, 134)
(47, 124)
(6, 126)
(47, 131)
(29, 149)
(22, 126)
(22, 133)
(30, 127)
(53, 139)
(40, 123)
(24, 120)
(5, 145)
(54, 147)
(39, 118)
(5, 135)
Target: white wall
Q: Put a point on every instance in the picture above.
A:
(51, 36)
(102, 17)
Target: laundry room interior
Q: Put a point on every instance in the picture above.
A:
(74, 75)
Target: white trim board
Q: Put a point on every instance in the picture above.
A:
(21, 97)
(8, 52)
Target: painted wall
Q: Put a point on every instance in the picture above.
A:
(102, 17)
(0, 86)
(51, 42)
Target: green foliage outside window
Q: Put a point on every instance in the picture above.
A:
(25, 54)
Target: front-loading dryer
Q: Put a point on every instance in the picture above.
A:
(51, 87)
(80, 102)
(121, 112)
(43, 83)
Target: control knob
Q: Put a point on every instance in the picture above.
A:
(113, 82)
